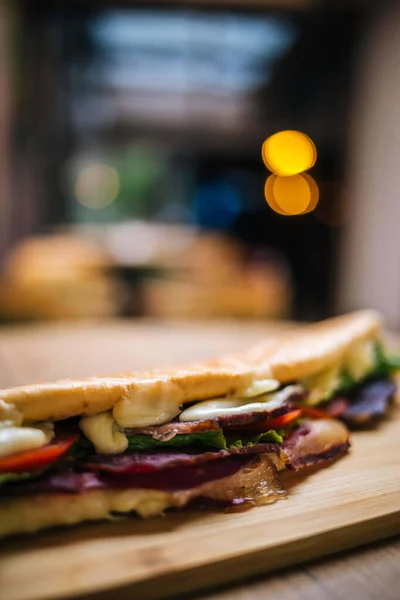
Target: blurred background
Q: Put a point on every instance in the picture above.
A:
(131, 177)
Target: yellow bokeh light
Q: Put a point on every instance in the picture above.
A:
(289, 153)
(294, 195)
(97, 186)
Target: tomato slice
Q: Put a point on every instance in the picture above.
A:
(33, 460)
(282, 421)
(266, 424)
(315, 413)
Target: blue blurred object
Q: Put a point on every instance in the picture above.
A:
(216, 205)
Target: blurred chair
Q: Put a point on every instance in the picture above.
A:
(139, 268)
(215, 278)
(58, 277)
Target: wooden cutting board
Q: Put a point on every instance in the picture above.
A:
(354, 501)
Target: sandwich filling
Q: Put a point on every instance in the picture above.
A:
(359, 389)
(226, 450)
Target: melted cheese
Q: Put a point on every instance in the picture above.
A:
(323, 385)
(18, 439)
(103, 433)
(360, 360)
(154, 403)
(219, 407)
(9, 415)
(29, 514)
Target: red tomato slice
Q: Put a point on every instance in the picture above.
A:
(33, 460)
(315, 413)
(266, 424)
(280, 422)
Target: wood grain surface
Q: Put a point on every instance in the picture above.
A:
(355, 501)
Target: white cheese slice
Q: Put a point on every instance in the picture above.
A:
(18, 439)
(220, 407)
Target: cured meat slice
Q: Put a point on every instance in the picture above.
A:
(315, 441)
(365, 404)
(237, 479)
(369, 402)
(149, 462)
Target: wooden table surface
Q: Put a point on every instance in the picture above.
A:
(46, 352)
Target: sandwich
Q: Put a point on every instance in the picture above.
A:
(213, 434)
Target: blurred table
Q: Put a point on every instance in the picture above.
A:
(34, 353)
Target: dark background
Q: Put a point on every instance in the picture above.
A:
(70, 85)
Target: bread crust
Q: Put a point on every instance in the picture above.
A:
(291, 356)
(309, 349)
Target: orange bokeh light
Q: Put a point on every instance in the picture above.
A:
(295, 195)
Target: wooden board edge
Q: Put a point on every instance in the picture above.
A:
(204, 578)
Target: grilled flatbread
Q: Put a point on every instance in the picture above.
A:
(77, 450)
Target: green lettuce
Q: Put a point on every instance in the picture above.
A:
(209, 439)
(347, 382)
(15, 477)
(386, 364)
(82, 448)
(270, 436)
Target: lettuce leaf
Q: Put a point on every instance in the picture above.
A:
(386, 364)
(82, 448)
(270, 436)
(209, 439)
(346, 381)
(14, 477)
